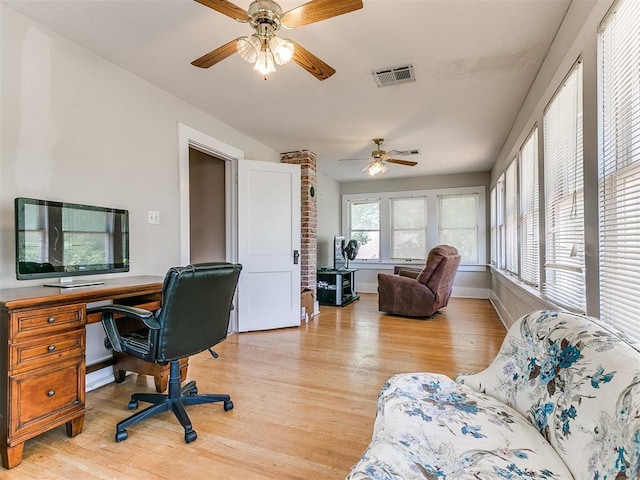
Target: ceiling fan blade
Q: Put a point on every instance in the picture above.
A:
(399, 152)
(227, 8)
(217, 55)
(401, 162)
(311, 63)
(317, 10)
(352, 159)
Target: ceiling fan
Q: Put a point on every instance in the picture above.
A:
(379, 158)
(263, 48)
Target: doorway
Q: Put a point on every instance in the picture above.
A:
(222, 159)
(207, 210)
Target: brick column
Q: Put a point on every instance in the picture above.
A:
(308, 217)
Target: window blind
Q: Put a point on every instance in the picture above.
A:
(564, 196)
(619, 168)
(511, 217)
(500, 221)
(409, 228)
(494, 227)
(458, 224)
(529, 231)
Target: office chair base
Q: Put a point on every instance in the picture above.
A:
(176, 400)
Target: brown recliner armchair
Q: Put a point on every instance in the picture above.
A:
(415, 293)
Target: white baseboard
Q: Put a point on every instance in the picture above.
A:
(460, 292)
(471, 292)
(98, 378)
(502, 312)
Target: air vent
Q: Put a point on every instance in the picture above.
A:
(394, 75)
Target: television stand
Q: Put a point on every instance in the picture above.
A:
(337, 287)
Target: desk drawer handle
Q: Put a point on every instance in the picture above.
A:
(51, 393)
(51, 320)
(51, 348)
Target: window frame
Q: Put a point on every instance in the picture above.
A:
(565, 267)
(432, 224)
(473, 228)
(529, 210)
(619, 168)
(423, 229)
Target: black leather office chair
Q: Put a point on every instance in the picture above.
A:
(194, 316)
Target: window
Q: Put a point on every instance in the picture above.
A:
(564, 196)
(408, 228)
(501, 224)
(619, 167)
(494, 227)
(529, 231)
(458, 227)
(364, 226)
(399, 227)
(511, 217)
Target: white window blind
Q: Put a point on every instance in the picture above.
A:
(529, 232)
(409, 228)
(511, 217)
(619, 165)
(494, 227)
(458, 224)
(500, 221)
(564, 196)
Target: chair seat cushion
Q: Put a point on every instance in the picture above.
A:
(430, 427)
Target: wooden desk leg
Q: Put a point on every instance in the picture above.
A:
(11, 456)
(161, 377)
(74, 427)
(160, 373)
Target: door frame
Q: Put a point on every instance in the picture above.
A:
(191, 138)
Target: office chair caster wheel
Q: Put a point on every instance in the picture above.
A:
(190, 436)
(228, 405)
(133, 404)
(121, 435)
(193, 391)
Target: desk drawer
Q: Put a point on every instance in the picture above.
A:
(44, 351)
(43, 398)
(47, 320)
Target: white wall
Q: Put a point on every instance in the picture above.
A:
(328, 204)
(78, 128)
(577, 38)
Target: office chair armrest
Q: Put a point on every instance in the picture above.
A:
(111, 328)
(145, 316)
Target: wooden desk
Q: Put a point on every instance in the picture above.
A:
(42, 355)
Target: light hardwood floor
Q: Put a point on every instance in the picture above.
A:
(305, 399)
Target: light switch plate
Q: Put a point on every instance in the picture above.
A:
(153, 217)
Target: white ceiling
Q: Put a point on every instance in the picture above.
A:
(474, 62)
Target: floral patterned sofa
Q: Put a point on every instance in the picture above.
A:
(560, 401)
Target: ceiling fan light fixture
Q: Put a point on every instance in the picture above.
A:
(282, 49)
(264, 63)
(263, 49)
(377, 167)
(248, 48)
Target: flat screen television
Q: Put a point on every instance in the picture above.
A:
(59, 239)
(339, 262)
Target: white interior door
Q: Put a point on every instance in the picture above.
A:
(268, 245)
